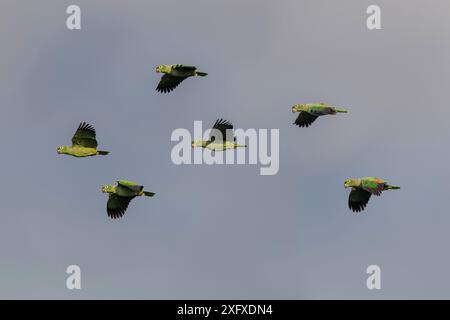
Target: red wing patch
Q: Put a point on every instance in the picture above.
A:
(376, 190)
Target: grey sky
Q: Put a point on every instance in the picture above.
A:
(225, 231)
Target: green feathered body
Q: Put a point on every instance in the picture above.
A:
(84, 143)
(214, 146)
(129, 189)
(309, 112)
(174, 74)
(317, 109)
(121, 195)
(363, 189)
(126, 188)
(322, 109)
(79, 152)
(179, 70)
(375, 186)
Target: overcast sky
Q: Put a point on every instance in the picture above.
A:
(225, 231)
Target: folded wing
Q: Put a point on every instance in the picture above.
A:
(129, 188)
(181, 67)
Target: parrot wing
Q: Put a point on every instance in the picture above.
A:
(374, 185)
(222, 126)
(130, 185)
(181, 67)
(117, 205)
(358, 199)
(85, 136)
(126, 183)
(168, 83)
(304, 119)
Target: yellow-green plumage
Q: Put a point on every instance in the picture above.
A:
(174, 74)
(309, 112)
(84, 143)
(221, 137)
(363, 189)
(121, 195)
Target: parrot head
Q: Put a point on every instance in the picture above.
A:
(61, 150)
(349, 183)
(107, 188)
(298, 107)
(163, 68)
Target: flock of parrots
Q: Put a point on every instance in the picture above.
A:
(84, 144)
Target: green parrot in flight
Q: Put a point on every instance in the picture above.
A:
(121, 195)
(310, 111)
(84, 143)
(362, 189)
(221, 137)
(174, 74)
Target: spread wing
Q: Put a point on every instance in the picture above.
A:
(181, 67)
(304, 119)
(225, 128)
(84, 136)
(358, 199)
(168, 83)
(117, 205)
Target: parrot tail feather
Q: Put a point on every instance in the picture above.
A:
(340, 110)
(102, 153)
(201, 74)
(149, 194)
(392, 187)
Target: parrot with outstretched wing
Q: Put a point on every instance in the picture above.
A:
(363, 189)
(174, 74)
(309, 112)
(84, 143)
(121, 195)
(221, 137)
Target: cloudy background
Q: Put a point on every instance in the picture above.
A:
(225, 231)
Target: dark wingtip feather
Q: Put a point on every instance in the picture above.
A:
(221, 121)
(164, 89)
(302, 125)
(356, 207)
(116, 213)
(84, 126)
